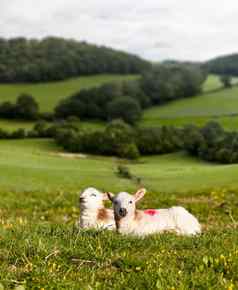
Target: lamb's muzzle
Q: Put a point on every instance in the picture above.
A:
(122, 212)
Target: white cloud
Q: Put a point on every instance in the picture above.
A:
(155, 29)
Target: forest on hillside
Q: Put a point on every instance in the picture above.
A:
(223, 65)
(52, 58)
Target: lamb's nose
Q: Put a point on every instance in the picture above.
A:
(81, 199)
(123, 212)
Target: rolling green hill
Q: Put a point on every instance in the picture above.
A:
(41, 247)
(49, 94)
(223, 65)
(215, 103)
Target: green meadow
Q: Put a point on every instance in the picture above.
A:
(36, 164)
(215, 103)
(41, 248)
(49, 94)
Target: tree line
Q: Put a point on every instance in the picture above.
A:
(223, 65)
(52, 58)
(119, 100)
(210, 143)
(161, 84)
(25, 108)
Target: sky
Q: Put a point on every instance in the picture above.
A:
(154, 29)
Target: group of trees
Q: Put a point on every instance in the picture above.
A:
(223, 65)
(110, 101)
(31, 60)
(25, 108)
(126, 100)
(170, 81)
(212, 143)
(120, 139)
(118, 100)
(226, 80)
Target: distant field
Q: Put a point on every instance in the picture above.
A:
(30, 165)
(221, 106)
(49, 94)
(198, 110)
(228, 122)
(12, 125)
(212, 83)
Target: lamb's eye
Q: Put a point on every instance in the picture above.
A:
(93, 194)
(130, 201)
(115, 202)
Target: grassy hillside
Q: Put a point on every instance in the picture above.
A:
(49, 94)
(213, 104)
(212, 83)
(40, 247)
(220, 105)
(35, 165)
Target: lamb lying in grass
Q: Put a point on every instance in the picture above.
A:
(129, 220)
(93, 214)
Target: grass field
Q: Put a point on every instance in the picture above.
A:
(220, 105)
(40, 247)
(49, 94)
(212, 83)
(30, 165)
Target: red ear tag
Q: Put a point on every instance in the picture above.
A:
(151, 212)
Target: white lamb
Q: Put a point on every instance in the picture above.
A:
(93, 214)
(129, 220)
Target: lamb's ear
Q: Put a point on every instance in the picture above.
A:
(139, 194)
(110, 196)
(105, 196)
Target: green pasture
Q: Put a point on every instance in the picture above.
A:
(228, 122)
(41, 248)
(223, 103)
(49, 94)
(34, 164)
(215, 103)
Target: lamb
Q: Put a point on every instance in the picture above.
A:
(129, 220)
(93, 214)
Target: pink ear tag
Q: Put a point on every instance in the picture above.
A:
(151, 212)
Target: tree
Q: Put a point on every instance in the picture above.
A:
(226, 80)
(70, 107)
(8, 110)
(52, 58)
(125, 108)
(167, 82)
(27, 107)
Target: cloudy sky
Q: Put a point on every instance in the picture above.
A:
(154, 29)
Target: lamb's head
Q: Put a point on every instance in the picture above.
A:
(124, 204)
(91, 198)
